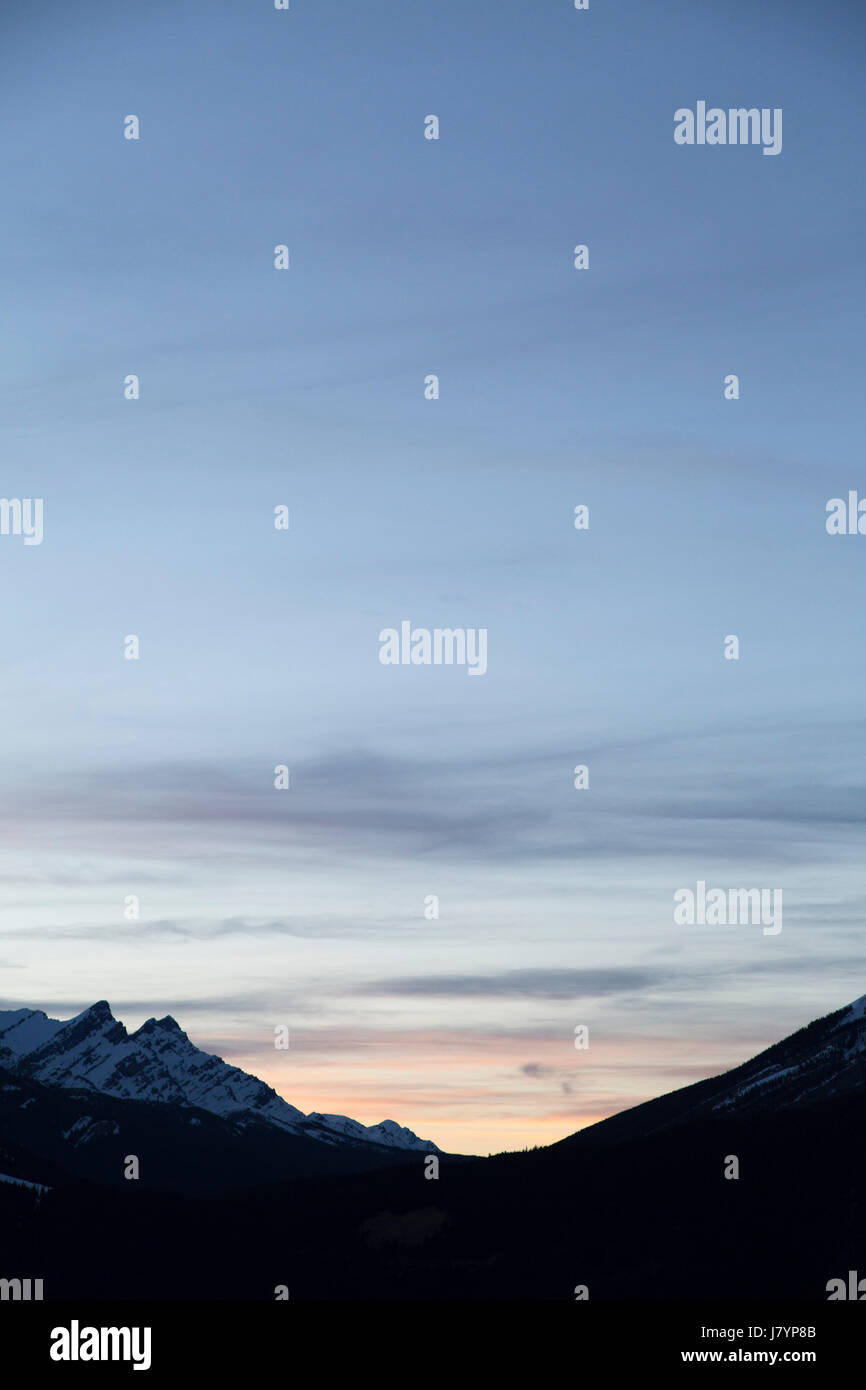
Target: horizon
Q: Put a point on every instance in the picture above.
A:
(431, 874)
(131, 1031)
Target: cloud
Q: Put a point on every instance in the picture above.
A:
(259, 1005)
(525, 984)
(204, 929)
(509, 808)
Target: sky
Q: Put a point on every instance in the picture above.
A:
(558, 387)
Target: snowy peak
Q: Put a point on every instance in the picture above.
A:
(24, 1029)
(97, 1015)
(88, 1027)
(160, 1025)
(159, 1064)
(388, 1133)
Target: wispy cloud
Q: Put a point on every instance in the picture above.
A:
(524, 984)
(518, 805)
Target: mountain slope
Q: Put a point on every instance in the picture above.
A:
(159, 1064)
(636, 1208)
(821, 1062)
(56, 1136)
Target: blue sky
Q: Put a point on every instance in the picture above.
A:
(558, 387)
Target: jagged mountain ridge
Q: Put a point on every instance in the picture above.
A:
(55, 1136)
(646, 1216)
(158, 1063)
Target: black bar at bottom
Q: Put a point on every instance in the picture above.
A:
(408, 1342)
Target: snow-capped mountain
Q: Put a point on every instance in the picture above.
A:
(821, 1062)
(158, 1063)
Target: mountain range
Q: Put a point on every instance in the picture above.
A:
(158, 1064)
(238, 1197)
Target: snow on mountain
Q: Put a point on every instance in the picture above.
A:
(22, 1182)
(23, 1030)
(387, 1132)
(856, 1010)
(821, 1062)
(158, 1063)
(826, 1058)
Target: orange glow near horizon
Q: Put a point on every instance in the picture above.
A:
(477, 1095)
